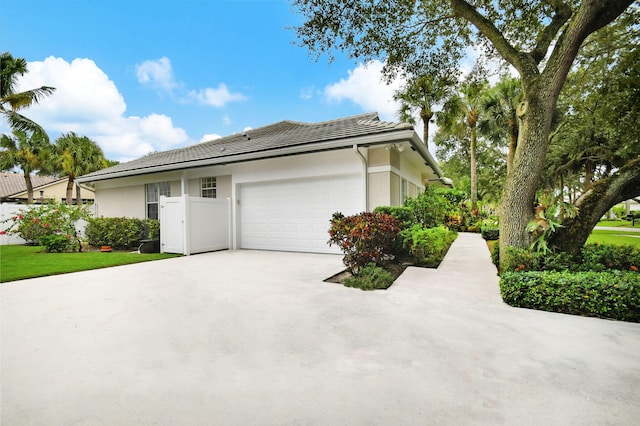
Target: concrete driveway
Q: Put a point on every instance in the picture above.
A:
(256, 338)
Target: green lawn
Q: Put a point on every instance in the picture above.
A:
(614, 237)
(18, 261)
(619, 223)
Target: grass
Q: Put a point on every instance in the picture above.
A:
(619, 223)
(19, 261)
(614, 237)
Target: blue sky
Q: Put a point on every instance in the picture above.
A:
(143, 75)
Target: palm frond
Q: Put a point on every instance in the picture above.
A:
(27, 98)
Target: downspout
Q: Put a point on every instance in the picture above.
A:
(365, 173)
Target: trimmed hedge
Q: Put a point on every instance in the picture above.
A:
(490, 233)
(120, 232)
(613, 295)
(592, 257)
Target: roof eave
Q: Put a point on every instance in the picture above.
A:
(404, 135)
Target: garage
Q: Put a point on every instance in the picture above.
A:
(293, 215)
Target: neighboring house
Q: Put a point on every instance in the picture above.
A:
(284, 181)
(14, 190)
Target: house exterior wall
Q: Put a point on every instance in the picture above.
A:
(387, 168)
(223, 184)
(120, 201)
(126, 196)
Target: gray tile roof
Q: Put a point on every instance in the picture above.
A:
(259, 142)
(13, 183)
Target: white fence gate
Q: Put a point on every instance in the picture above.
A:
(190, 225)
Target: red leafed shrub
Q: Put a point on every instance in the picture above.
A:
(363, 238)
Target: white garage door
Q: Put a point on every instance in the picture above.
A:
(293, 215)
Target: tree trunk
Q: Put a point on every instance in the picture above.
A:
(425, 116)
(513, 142)
(474, 174)
(599, 198)
(29, 185)
(520, 187)
(78, 195)
(70, 190)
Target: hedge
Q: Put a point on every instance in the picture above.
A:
(613, 294)
(120, 232)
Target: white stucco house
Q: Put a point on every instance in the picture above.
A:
(283, 181)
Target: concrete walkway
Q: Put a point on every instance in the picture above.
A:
(256, 338)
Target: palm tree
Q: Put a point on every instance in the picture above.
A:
(500, 105)
(459, 117)
(421, 94)
(11, 102)
(23, 150)
(76, 156)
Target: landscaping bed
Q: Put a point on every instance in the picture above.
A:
(601, 281)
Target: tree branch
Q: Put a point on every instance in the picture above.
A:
(562, 14)
(521, 61)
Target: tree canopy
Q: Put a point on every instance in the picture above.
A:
(539, 39)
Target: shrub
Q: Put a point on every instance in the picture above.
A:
(52, 225)
(427, 246)
(593, 257)
(370, 277)
(153, 227)
(435, 206)
(119, 232)
(495, 254)
(489, 232)
(363, 238)
(613, 294)
(600, 257)
(403, 214)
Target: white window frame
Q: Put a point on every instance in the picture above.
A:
(152, 193)
(208, 187)
(404, 190)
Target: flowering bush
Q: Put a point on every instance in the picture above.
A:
(363, 238)
(52, 225)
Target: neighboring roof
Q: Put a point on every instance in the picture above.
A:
(283, 138)
(13, 183)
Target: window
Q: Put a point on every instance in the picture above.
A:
(208, 187)
(154, 191)
(403, 190)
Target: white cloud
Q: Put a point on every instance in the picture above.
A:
(157, 72)
(226, 120)
(86, 101)
(366, 88)
(217, 97)
(306, 93)
(209, 137)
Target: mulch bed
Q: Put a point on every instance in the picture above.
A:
(395, 269)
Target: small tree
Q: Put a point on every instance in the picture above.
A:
(23, 150)
(75, 156)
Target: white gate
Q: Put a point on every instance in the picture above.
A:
(190, 225)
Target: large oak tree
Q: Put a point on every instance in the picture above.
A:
(540, 39)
